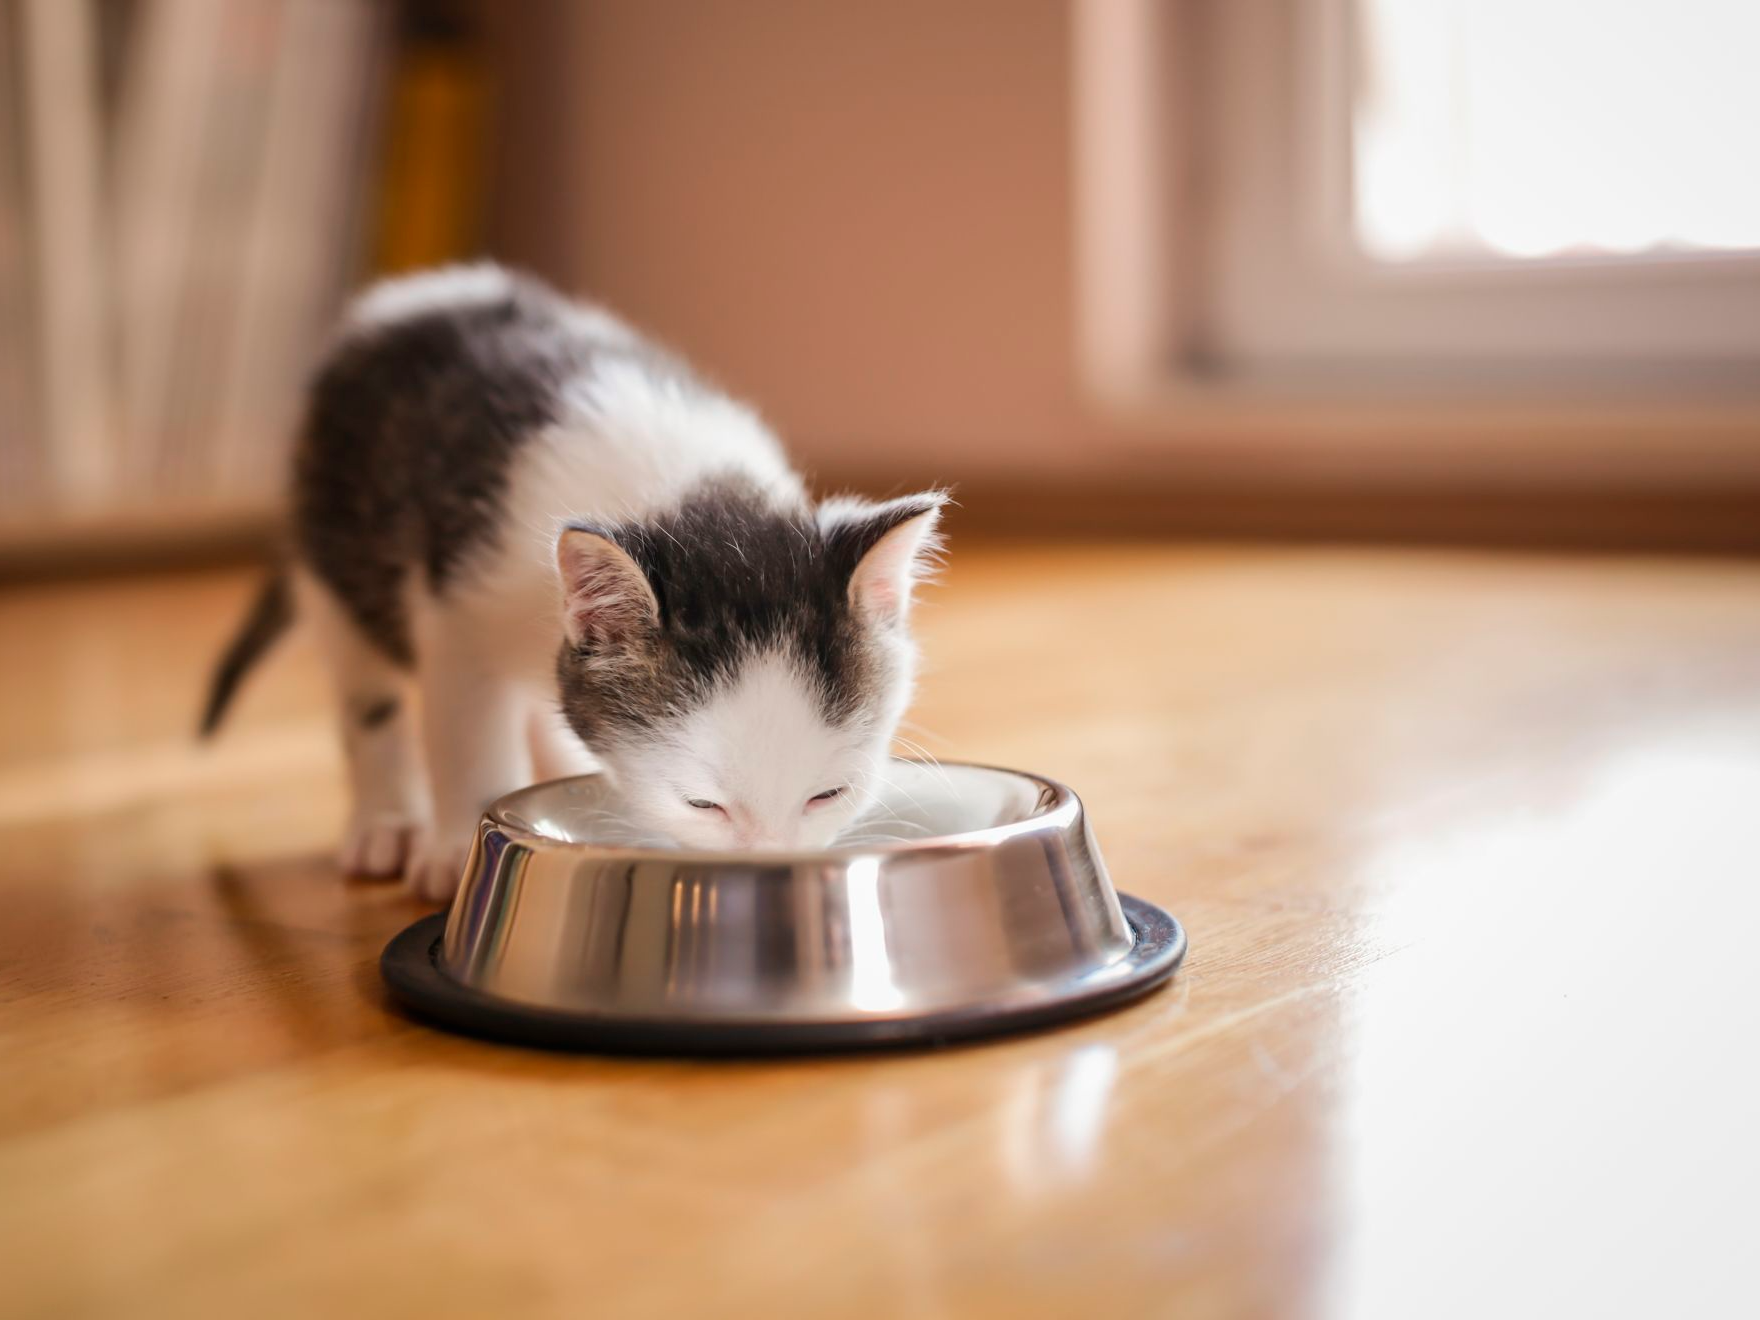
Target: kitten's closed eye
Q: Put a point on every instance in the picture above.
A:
(818, 799)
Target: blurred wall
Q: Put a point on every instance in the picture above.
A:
(856, 215)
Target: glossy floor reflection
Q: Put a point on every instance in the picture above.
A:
(1553, 1073)
(1467, 846)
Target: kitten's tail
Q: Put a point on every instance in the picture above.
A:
(269, 616)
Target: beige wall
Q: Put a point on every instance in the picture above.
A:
(855, 214)
(859, 215)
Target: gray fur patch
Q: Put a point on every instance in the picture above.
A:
(410, 431)
(735, 578)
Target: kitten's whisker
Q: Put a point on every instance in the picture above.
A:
(886, 818)
(916, 728)
(926, 758)
(902, 791)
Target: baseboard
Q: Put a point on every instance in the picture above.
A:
(90, 544)
(1695, 521)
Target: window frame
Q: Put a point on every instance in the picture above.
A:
(1139, 86)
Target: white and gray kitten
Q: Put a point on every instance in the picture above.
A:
(572, 542)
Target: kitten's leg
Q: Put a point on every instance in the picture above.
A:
(474, 719)
(390, 808)
(557, 753)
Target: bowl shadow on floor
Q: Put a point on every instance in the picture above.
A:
(315, 936)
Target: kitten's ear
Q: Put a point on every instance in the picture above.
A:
(605, 595)
(889, 548)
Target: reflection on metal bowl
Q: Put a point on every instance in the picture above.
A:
(984, 907)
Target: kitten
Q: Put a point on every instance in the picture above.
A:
(573, 542)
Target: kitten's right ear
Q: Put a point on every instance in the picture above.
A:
(886, 547)
(605, 595)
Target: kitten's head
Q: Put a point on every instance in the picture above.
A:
(740, 668)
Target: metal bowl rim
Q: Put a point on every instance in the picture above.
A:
(412, 972)
(1063, 810)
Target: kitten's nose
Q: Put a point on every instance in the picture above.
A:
(766, 838)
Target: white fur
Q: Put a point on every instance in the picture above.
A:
(406, 296)
(761, 751)
(476, 717)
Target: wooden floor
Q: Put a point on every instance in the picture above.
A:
(1469, 852)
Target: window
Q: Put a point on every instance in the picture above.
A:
(1469, 140)
(1544, 214)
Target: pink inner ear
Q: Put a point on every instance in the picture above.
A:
(881, 597)
(603, 593)
(881, 584)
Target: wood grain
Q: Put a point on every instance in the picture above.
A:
(1467, 849)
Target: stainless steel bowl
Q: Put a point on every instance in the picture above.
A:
(979, 905)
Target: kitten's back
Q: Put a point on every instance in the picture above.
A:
(459, 408)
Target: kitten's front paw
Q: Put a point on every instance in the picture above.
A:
(435, 870)
(380, 843)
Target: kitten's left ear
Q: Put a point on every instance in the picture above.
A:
(606, 598)
(888, 547)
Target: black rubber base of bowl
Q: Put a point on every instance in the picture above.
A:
(414, 977)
